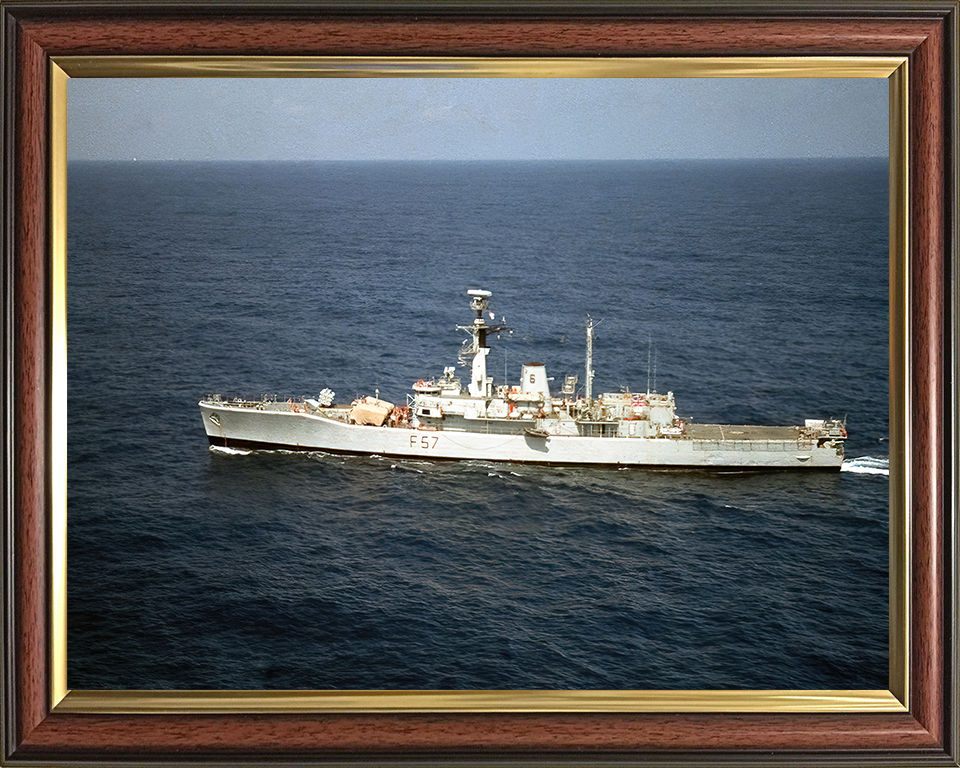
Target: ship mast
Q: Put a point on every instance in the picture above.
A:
(589, 371)
(480, 384)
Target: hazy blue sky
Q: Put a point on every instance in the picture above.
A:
(426, 118)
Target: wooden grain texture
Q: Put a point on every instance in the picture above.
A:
(927, 296)
(30, 368)
(759, 739)
(451, 37)
(291, 734)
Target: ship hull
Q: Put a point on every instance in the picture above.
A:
(240, 427)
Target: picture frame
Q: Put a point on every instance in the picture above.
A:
(916, 719)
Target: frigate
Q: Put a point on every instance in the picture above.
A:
(526, 422)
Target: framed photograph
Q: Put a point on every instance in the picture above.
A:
(191, 278)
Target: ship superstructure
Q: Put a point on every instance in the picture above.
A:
(526, 422)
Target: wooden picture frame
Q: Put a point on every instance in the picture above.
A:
(40, 726)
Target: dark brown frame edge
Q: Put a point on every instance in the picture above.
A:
(926, 32)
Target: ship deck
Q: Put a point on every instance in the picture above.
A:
(717, 432)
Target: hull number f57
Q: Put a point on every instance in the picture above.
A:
(425, 441)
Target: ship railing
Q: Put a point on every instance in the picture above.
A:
(335, 414)
(232, 402)
(269, 403)
(750, 445)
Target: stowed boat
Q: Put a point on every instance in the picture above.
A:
(526, 422)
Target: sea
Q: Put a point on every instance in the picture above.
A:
(756, 291)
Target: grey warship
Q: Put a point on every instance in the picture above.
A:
(525, 422)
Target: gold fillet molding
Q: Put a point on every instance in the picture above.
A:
(894, 69)
(230, 702)
(298, 66)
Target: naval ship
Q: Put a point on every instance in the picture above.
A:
(526, 422)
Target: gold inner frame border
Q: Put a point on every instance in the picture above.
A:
(893, 69)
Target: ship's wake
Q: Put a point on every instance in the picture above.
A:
(867, 465)
(229, 451)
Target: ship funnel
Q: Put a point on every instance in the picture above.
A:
(533, 382)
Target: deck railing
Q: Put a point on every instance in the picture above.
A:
(750, 445)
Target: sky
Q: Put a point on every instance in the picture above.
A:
(474, 118)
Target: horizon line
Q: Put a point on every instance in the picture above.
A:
(470, 160)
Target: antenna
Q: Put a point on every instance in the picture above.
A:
(654, 369)
(588, 384)
(649, 346)
(588, 378)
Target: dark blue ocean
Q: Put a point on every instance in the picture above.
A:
(756, 291)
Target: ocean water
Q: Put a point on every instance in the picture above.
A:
(756, 291)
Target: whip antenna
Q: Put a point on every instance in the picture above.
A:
(649, 346)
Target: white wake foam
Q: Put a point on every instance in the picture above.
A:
(867, 465)
(229, 451)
